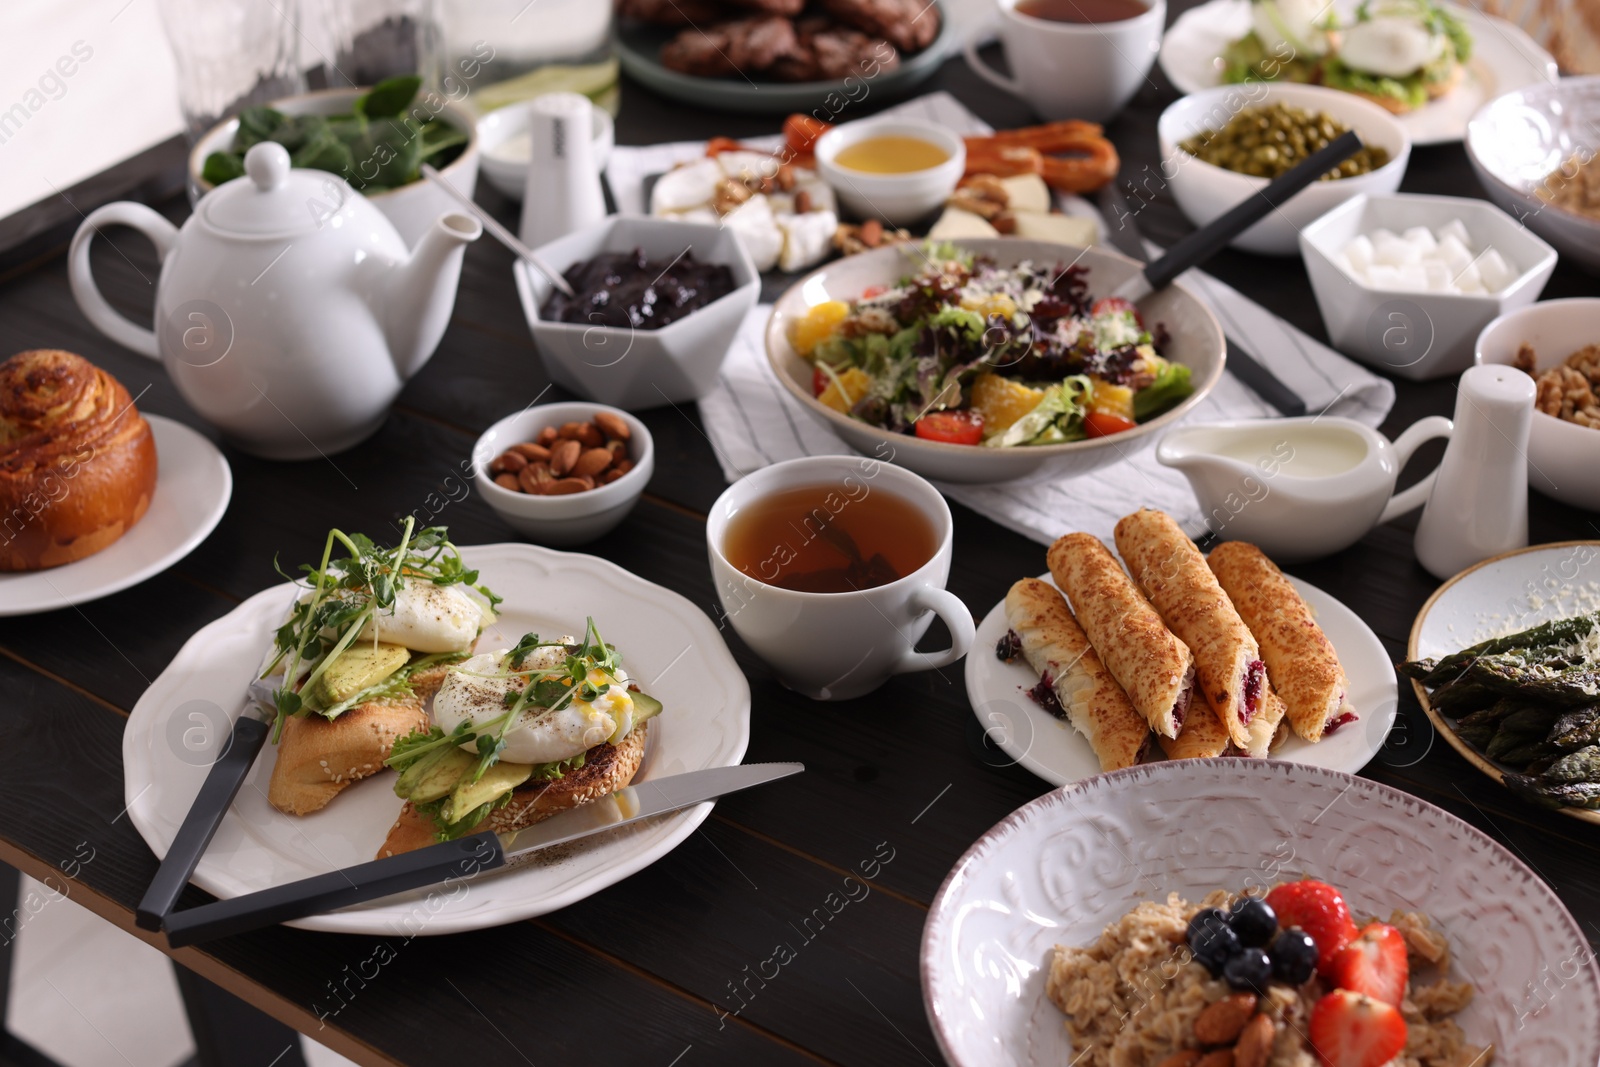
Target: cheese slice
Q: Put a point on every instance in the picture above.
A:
(956, 223)
(1027, 192)
(1063, 229)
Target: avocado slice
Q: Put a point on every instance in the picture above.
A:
(499, 778)
(356, 669)
(434, 775)
(645, 706)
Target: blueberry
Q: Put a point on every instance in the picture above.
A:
(1253, 920)
(1212, 940)
(1248, 969)
(1294, 956)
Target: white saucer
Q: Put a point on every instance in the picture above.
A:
(192, 490)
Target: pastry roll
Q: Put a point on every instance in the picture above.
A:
(1301, 662)
(1055, 646)
(1174, 575)
(1153, 667)
(1202, 738)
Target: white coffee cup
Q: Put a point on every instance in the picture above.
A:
(1071, 70)
(835, 646)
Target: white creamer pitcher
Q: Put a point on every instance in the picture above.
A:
(1298, 489)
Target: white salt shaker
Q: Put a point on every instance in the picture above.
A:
(563, 193)
(1479, 504)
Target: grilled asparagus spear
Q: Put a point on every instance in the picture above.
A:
(1554, 634)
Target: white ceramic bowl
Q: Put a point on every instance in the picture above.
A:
(1417, 335)
(638, 369)
(898, 199)
(1204, 191)
(1517, 140)
(412, 208)
(1196, 343)
(577, 518)
(1563, 457)
(505, 144)
(1060, 868)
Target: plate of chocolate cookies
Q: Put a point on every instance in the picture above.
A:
(781, 56)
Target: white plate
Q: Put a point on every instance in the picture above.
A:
(1058, 869)
(1052, 749)
(667, 643)
(1503, 58)
(193, 484)
(1501, 596)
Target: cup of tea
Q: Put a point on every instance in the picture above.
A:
(831, 568)
(1074, 59)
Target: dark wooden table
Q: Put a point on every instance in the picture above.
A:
(663, 968)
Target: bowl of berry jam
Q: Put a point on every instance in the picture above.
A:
(656, 303)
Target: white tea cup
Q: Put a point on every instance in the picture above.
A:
(835, 646)
(1072, 70)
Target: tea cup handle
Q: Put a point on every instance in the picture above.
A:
(957, 618)
(977, 39)
(162, 234)
(1416, 496)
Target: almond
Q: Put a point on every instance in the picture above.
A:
(623, 466)
(1186, 1057)
(564, 487)
(569, 430)
(618, 449)
(508, 462)
(529, 478)
(589, 436)
(508, 481)
(592, 462)
(610, 476)
(1223, 1057)
(613, 426)
(563, 456)
(531, 452)
(1255, 1043)
(1220, 1023)
(871, 233)
(547, 436)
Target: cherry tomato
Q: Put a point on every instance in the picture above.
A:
(800, 132)
(819, 381)
(873, 290)
(1104, 424)
(952, 427)
(1109, 304)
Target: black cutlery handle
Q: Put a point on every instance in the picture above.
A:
(1199, 245)
(1266, 384)
(222, 784)
(337, 889)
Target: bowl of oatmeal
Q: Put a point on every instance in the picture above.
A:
(1558, 343)
(1063, 936)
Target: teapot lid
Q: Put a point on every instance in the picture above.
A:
(275, 199)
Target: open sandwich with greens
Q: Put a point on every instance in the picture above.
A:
(374, 668)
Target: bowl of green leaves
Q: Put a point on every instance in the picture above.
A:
(375, 139)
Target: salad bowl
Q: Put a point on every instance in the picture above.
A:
(1193, 339)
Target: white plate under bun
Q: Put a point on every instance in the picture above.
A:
(1057, 870)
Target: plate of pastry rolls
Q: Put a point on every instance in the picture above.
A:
(1166, 653)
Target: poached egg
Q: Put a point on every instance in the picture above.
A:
(1392, 45)
(476, 692)
(428, 618)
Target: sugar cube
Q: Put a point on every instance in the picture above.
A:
(1452, 253)
(1359, 251)
(1457, 229)
(1384, 277)
(1381, 234)
(1495, 271)
(1394, 251)
(1468, 280)
(1342, 261)
(1436, 277)
(1412, 277)
(1422, 237)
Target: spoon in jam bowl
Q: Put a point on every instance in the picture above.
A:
(497, 231)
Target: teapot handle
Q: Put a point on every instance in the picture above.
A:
(113, 324)
(1416, 496)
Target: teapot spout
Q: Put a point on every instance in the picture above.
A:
(424, 291)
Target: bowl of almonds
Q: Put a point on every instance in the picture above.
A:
(564, 474)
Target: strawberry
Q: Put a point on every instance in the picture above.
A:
(1373, 964)
(1351, 1030)
(1319, 910)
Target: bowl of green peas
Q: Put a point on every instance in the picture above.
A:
(1220, 146)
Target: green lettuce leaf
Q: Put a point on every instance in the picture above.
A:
(1170, 386)
(1056, 419)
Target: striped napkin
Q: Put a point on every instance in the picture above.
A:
(752, 421)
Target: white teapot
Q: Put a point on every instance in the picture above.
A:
(288, 311)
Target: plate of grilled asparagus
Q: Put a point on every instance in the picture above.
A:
(1505, 658)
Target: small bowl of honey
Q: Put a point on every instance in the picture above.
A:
(896, 170)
